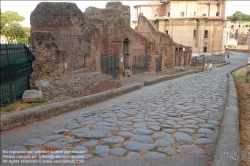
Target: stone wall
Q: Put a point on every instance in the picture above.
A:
(161, 44)
(49, 63)
(106, 31)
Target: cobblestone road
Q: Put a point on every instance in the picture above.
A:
(179, 118)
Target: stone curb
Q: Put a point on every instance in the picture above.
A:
(15, 119)
(228, 147)
(223, 64)
(168, 77)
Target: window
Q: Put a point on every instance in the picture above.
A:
(194, 13)
(205, 49)
(217, 13)
(167, 32)
(206, 34)
(194, 33)
(168, 14)
(182, 14)
(239, 26)
(232, 26)
(204, 14)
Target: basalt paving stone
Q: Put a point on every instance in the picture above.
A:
(81, 149)
(52, 137)
(165, 126)
(72, 126)
(81, 130)
(150, 119)
(187, 130)
(205, 131)
(141, 138)
(171, 122)
(139, 124)
(182, 137)
(177, 126)
(86, 119)
(199, 120)
(55, 145)
(199, 135)
(209, 126)
(164, 142)
(58, 131)
(35, 151)
(154, 155)
(205, 114)
(102, 150)
(192, 126)
(160, 135)
(123, 123)
(72, 141)
(134, 145)
(192, 122)
(118, 151)
(154, 127)
(154, 117)
(142, 131)
(113, 140)
(125, 133)
(204, 141)
(87, 122)
(161, 120)
(213, 122)
(152, 123)
(111, 120)
(134, 155)
(174, 119)
(168, 151)
(127, 128)
(93, 134)
(90, 143)
(34, 141)
(104, 124)
(191, 149)
(19, 149)
(103, 128)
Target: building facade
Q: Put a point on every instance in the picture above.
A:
(237, 33)
(194, 23)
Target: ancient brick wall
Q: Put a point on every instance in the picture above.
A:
(49, 63)
(163, 43)
(65, 22)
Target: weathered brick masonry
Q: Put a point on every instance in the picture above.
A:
(77, 40)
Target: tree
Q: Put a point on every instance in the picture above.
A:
(11, 28)
(238, 16)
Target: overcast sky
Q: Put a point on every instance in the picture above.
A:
(24, 8)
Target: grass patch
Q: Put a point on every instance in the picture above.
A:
(73, 154)
(153, 150)
(96, 154)
(248, 94)
(111, 146)
(246, 79)
(8, 109)
(211, 128)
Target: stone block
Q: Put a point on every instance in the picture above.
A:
(32, 96)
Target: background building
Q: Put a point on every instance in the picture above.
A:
(195, 23)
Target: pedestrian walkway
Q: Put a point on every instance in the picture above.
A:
(178, 120)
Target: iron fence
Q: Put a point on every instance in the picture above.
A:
(140, 63)
(16, 68)
(108, 64)
(202, 59)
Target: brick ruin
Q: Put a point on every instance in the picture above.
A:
(64, 39)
